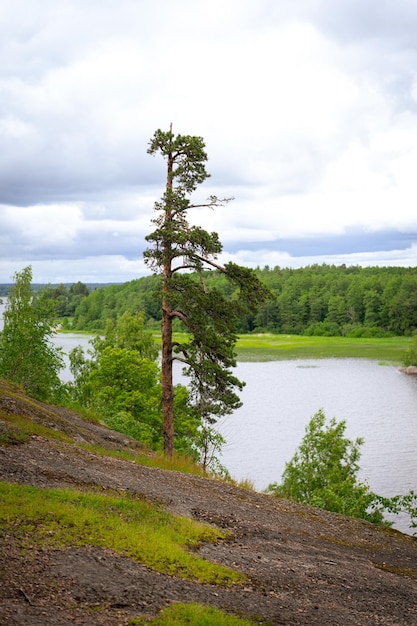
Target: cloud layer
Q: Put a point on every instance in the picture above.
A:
(308, 110)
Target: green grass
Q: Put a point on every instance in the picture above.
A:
(176, 463)
(10, 435)
(179, 614)
(23, 427)
(270, 347)
(123, 523)
(282, 347)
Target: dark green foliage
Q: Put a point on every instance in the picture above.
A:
(209, 351)
(347, 301)
(316, 300)
(401, 504)
(66, 299)
(323, 472)
(111, 302)
(27, 356)
(128, 333)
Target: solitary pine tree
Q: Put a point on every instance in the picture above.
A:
(181, 252)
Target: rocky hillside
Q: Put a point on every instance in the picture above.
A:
(301, 565)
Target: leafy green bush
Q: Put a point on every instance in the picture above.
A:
(403, 503)
(367, 331)
(323, 472)
(119, 379)
(27, 355)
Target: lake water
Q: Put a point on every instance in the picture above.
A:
(68, 341)
(378, 402)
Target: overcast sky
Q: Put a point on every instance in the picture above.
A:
(308, 109)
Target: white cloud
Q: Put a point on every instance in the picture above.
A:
(88, 269)
(263, 257)
(308, 109)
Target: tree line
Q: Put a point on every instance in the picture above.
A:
(340, 300)
(323, 299)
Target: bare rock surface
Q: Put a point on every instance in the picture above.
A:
(303, 565)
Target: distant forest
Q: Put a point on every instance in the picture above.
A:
(315, 300)
(5, 287)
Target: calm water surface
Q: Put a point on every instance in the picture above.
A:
(68, 341)
(378, 402)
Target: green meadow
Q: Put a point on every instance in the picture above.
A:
(271, 347)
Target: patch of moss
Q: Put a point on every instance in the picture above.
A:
(28, 427)
(180, 613)
(11, 435)
(393, 569)
(149, 459)
(126, 524)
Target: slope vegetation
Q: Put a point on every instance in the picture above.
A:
(92, 535)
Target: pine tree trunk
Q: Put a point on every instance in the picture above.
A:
(167, 384)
